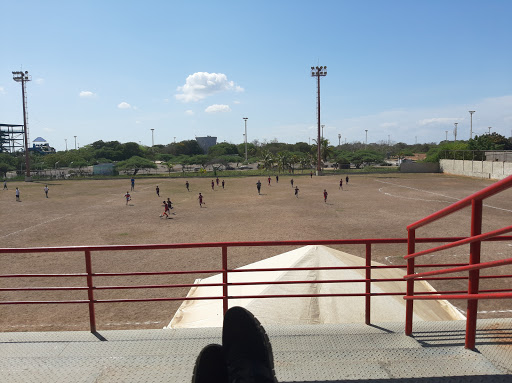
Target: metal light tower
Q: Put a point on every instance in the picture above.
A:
(23, 77)
(471, 126)
(75, 142)
(152, 137)
(489, 130)
(366, 139)
(339, 139)
(446, 135)
(455, 131)
(245, 120)
(318, 71)
(66, 141)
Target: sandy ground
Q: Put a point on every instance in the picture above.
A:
(90, 212)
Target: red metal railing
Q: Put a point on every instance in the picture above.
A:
(90, 276)
(474, 266)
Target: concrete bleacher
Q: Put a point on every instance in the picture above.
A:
(302, 353)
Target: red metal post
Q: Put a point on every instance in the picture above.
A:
(90, 293)
(474, 275)
(368, 283)
(409, 306)
(225, 279)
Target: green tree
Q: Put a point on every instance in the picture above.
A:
(493, 141)
(135, 163)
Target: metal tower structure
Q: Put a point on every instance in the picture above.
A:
(319, 71)
(23, 77)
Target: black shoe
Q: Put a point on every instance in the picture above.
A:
(247, 348)
(210, 365)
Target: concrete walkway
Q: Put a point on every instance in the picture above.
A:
(303, 353)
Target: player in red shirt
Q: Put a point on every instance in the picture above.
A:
(166, 209)
(213, 185)
(325, 196)
(128, 197)
(341, 184)
(269, 181)
(200, 198)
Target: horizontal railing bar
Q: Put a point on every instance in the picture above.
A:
(41, 275)
(40, 302)
(42, 288)
(63, 249)
(478, 266)
(480, 195)
(465, 241)
(141, 273)
(460, 296)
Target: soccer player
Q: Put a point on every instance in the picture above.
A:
(200, 198)
(128, 197)
(269, 181)
(223, 184)
(213, 185)
(277, 178)
(325, 196)
(17, 194)
(217, 180)
(187, 185)
(341, 184)
(346, 180)
(46, 190)
(5, 185)
(166, 209)
(169, 203)
(297, 191)
(258, 185)
(157, 191)
(311, 174)
(133, 183)
(291, 181)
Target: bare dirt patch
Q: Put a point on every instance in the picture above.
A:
(91, 212)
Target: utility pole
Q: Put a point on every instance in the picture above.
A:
(66, 141)
(152, 137)
(455, 131)
(245, 120)
(23, 77)
(75, 142)
(319, 71)
(471, 126)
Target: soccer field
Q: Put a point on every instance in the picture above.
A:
(94, 212)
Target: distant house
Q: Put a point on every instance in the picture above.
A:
(39, 145)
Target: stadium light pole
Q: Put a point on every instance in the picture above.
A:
(66, 141)
(471, 124)
(75, 142)
(455, 131)
(446, 139)
(23, 77)
(245, 120)
(339, 139)
(318, 71)
(489, 130)
(366, 139)
(152, 137)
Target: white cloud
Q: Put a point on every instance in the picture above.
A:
(49, 130)
(217, 108)
(40, 81)
(189, 112)
(2, 90)
(87, 94)
(124, 105)
(438, 121)
(236, 102)
(203, 84)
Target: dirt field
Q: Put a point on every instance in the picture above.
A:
(94, 213)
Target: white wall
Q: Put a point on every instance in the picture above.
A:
(484, 169)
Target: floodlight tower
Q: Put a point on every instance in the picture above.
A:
(339, 139)
(455, 131)
(152, 137)
(471, 128)
(245, 120)
(23, 77)
(318, 71)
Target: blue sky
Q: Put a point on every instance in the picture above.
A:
(113, 70)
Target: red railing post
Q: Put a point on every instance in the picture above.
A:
(474, 275)
(409, 306)
(224, 279)
(368, 283)
(90, 293)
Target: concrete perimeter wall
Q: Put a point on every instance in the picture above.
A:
(419, 167)
(484, 169)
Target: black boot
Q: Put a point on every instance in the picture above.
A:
(247, 348)
(210, 365)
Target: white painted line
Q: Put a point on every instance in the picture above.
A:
(31, 227)
(426, 191)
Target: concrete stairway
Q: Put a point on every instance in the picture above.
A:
(312, 353)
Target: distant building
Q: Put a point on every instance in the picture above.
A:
(39, 145)
(206, 142)
(106, 169)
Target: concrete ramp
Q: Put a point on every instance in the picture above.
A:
(322, 310)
